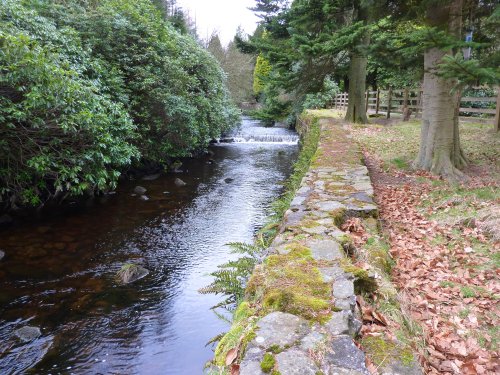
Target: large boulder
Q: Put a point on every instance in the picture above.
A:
(27, 333)
(130, 273)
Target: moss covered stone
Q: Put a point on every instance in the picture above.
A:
(363, 282)
(241, 333)
(292, 283)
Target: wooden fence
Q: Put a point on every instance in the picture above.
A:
(400, 101)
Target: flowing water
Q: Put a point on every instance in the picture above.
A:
(58, 274)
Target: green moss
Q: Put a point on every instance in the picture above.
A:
(243, 311)
(292, 283)
(268, 363)
(241, 333)
(377, 252)
(275, 372)
(407, 358)
(275, 349)
(309, 224)
(383, 351)
(229, 340)
(338, 216)
(363, 283)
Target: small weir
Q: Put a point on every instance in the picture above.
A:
(59, 274)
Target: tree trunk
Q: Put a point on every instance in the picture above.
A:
(440, 151)
(357, 85)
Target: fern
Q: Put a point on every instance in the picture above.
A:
(231, 277)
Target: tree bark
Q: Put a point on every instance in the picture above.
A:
(440, 151)
(357, 85)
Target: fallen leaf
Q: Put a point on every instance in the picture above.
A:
(231, 356)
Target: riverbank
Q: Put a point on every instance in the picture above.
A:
(307, 301)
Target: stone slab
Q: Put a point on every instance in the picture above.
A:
(295, 362)
(278, 328)
(325, 249)
(343, 288)
(329, 206)
(346, 355)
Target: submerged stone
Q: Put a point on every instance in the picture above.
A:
(28, 333)
(151, 177)
(130, 273)
(179, 183)
(139, 190)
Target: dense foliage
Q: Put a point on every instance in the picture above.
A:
(87, 88)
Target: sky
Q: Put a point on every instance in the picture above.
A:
(223, 16)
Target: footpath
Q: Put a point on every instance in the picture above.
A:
(303, 311)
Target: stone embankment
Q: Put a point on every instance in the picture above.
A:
(304, 294)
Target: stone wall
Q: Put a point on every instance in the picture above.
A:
(305, 316)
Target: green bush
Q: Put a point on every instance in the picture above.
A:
(89, 87)
(58, 133)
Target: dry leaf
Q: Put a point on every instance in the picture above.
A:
(231, 356)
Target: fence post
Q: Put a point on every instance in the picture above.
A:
(366, 100)
(389, 100)
(496, 124)
(418, 111)
(406, 111)
(405, 98)
(377, 102)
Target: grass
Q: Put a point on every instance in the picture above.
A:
(397, 145)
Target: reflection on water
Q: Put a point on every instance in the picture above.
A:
(59, 274)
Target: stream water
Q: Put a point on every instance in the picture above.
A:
(58, 274)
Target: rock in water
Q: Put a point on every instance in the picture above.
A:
(139, 190)
(178, 182)
(27, 334)
(228, 180)
(175, 167)
(151, 177)
(2, 254)
(130, 273)
(144, 198)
